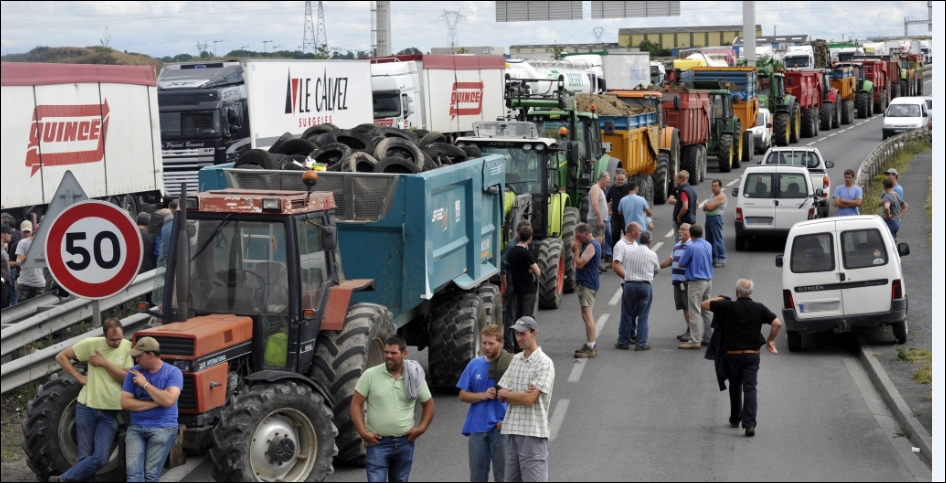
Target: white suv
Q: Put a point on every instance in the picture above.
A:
(771, 200)
(809, 158)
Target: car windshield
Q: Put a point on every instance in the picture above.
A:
(929, 104)
(387, 106)
(903, 110)
(806, 159)
(797, 61)
(523, 171)
(184, 124)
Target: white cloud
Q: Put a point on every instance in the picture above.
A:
(169, 28)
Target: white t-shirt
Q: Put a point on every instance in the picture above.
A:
(31, 277)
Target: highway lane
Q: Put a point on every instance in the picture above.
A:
(659, 415)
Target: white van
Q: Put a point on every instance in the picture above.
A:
(771, 200)
(904, 114)
(839, 274)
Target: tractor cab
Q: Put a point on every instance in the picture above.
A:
(859, 74)
(721, 112)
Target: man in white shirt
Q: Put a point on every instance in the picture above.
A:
(637, 265)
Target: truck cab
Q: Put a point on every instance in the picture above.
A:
(395, 87)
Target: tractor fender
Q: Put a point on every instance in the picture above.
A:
(265, 377)
(556, 213)
(666, 138)
(833, 96)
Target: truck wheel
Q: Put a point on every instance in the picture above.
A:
(275, 148)
(782, 130)
(894, 91)
(492, 303)
(796, 124)
(646, 188)
(870, 106)
(836, 119)
(809, 122)
(901, 332)
(704, 162)
(674, 166)
(49, 437)
(860, 103)
(659, 179)
(552, 265)
(570, 220)
(878, 106)
(341, 357)
(748, 149)
(827, 115)
(794, 341)
(690, 162)
(847, 112)
(455, 326)
(246, 445)
(738, 145)
(401, 148)
(724, 153)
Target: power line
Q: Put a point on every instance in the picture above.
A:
(308, 29)
(320, 34)
(452, 17)
(599, 34)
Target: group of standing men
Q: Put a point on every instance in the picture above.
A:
(849, 198)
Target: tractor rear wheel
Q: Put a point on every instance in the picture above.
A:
(738, 145)
(748, 149)
(836, 119)
(827, 115)
(294, 421)
(552, 265)
(341, 357)
(659, 180)
(861, 101)
(49, 432)
(492, 303)
(894, 91)
(646, 185)
(796, 124)
(456, 323)
(570, 220)
(704, 162)
(809, 122)
(724, 153)
(690, 162)
(782, 129)
(847, 112)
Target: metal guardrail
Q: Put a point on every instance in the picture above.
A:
(24, 310)
(883, 153)
(15, 336)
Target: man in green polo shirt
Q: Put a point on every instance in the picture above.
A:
(389, 433)
(100, 399)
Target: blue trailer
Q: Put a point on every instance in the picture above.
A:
(431, 242)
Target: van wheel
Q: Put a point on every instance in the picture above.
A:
(794, 341)
(740, 243)
(900, 332)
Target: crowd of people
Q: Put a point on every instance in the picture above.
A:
(849, 199)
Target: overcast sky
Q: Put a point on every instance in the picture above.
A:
(170, 28)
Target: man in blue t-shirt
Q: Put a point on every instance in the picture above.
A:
(150, 393)
(587, 254)
(484, 422)
(848, 198)
(634, 207)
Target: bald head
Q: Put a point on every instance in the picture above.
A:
(633, 231)
(744, 288)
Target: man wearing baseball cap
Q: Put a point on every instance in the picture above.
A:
(150, 393)
(893, 175)
(31, 282)
(527, 388)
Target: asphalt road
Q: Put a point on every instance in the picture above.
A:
(659, 415)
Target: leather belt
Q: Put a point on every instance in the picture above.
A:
(632, 281)
(739, 353)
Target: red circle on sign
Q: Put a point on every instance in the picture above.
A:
(126, 229)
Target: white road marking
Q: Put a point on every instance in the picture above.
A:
(658, 246)
(811, 144)
(617, 298)
(601, 322)
(181, 472)
(558, 417)
(734, 182)
(669, 235)
(579, 367)
(833, 135)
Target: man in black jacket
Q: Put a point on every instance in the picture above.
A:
(741, 322)
(149, 254)
(684, 201)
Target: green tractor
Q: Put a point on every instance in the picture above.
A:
(786, 112)
(553, 156)
(725, 130)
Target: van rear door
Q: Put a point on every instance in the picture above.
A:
(793, 198)
(866, 267)
(813, 273)
(758, 200)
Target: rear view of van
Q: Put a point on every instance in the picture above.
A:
(904, 114)
(840, 274)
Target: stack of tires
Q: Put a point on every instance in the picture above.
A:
(367, 148)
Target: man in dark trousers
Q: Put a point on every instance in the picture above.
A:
(522, 270)
(741, 322)
(509, 289)
(149, 257)
(616, 193)
(684, 201)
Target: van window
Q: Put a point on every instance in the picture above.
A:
(805, 159)
(792, 186)
(759, 185)
(813, 253)
(863, 249)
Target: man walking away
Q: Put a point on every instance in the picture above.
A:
(527, 388)
(523, 270)
(6, 276)
(893, 175)
(679, 281)
(684, 201)
(741, 322)
(391, 391)
(634, 207)
(697, 262)
(100, 398)
(32, 282)
(894, 207)
(598, 207)
(507, 288)
(638, 266)
(587, 251)
(150, 393)
(484, 421)
(149, 257)
(616, 193)
(848, 198)
(164, 250)
(715, 208)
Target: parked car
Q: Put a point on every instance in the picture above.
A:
(904, 114)
(771, 200)
(762, 132)
(840, 274)
(809, 158)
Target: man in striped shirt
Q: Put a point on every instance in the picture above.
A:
(679, 277)
(638, 265)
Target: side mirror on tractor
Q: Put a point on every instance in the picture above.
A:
(329, 237)
(574, 155)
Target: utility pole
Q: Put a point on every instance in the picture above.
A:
(599, 34)
(215, 47)
(748, 31)
(276, 48)
(321, 36)
(380, 28)
(201, 47)
(264, 45)
(452, 17)
(244, 47)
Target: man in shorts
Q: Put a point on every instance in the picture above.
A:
(587, 251)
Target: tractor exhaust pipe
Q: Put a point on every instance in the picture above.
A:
(182, 265)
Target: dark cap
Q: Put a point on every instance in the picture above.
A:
(525, 323)
(7, 230)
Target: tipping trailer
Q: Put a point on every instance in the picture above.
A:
(730, 136)
(690, 113)
(875, 71)
(806, 87)
(843, 80)
(896, 86)
(98, 121)
(635, 140)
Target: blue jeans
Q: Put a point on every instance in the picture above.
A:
(635, 313)
(894, 226)
(607, 239)
(95, 433)
(743, 392)
(714, 235)
(146, 450)
(390, 460)
(485, 449)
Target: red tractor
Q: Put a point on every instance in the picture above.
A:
(806, 86)
(875, 70)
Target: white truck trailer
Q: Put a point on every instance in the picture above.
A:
(98, 121)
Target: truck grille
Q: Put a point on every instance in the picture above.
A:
(188, 398)
(173, 346)
(173, 180)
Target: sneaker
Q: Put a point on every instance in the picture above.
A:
(734, 423)
(623, 347)
(689, 347)
(641, 349)
(719, 265)
(750, 432)
(684, 337)
(586, 353)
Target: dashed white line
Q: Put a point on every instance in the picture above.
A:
(558, 418)
(579, 368)
(733, 182)
(833, 135)
(617, 298)
(601, 322)
(658, 246)
(669, 235)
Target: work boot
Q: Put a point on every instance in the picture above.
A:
(684, 337)
(688, 346)
(586, 353)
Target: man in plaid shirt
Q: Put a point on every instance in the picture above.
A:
(527, 388)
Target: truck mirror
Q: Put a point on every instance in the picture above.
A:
(735, 192)
(232, 117)
(573, 154)
(769, 125)
(329, 237)
(779, 261)
(829, 164)
(819, 193)
(903, 249)
(676, 103)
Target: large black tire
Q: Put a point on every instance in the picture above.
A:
(836, 119)
(878, 106)
(275, 148)
(570, 220)
(659, 180)
(390, 132)
(49, 432)
(323, 139)
(870, 106)
(782, 129)
(847, 112)
(396, 165)
(317, 130)
(862, 104)
(646, 191)
(690, 162)
(455, 326)
(737, 143)
(358, 162)
(796, 124)
(365, 128)
(704, 162)
(901, 332)
(724, 153)
(492, 304)
(455, 154)
(341, 357)
(748, 150)
(256, 157)
(296, 146)
(357, 141)
(331, 154)
(398, 147)
(432, 137)
(675, 154)
(472, 152)
(552, 266)
(794, 341)
(295, 410)
(827, 115)
(894, 91)
(809, 121)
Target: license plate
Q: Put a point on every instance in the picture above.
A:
(758, 221)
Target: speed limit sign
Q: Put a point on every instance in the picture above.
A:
(93, 250)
